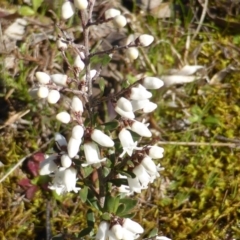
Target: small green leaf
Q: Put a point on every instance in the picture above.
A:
(84, 193)
(85, 232)
(153, 232)
(101, 84)
(121, 209)
(109, 126)
(106, 216)
(111, 204)
(36, 4)
(90, 218)
(26, 11)
(129, 204)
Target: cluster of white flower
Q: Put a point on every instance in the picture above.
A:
(88, 145)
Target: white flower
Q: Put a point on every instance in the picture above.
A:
(92, 74)
(139, 93)
(53, 96)
(162, 238)
(149, 164)
(92, 154)
(151, 106)
(59, 79)
(78, 63)
(43, 92)
(61, 44)
(77, 132)
(60, 139)
(43, 77)
(116, 232)
(142, 175)
(81, 4)
(102, 231)
(145, 40)
(101, 138)
(152, 83)
(111, 13)
(127, 142)
(48, 165)
(124, 108)
(120, 21)
(67, 10)
(132, 226)
(141, 129)
(134, 184)
(63, 117)
(73, 147)
(76, 104)
(132, 53)
(66, 161)
(155, 152)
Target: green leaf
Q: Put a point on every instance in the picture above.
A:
(85, 232)
(84, 193)
(102, 59)
(26, 11)
(211, 120)
(153, 232)
(36, 4)
(101, 84)
(129, 204)
(111, 125)
(90, 218)
(111, 204)
(121, 209)
(106, 217)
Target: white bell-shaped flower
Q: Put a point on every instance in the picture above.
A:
(69, 179)
(134, 185)
(116, 232)
(67, 10)
(124, 104)
(132, 226)
(63, 117)
(48, 165)
(120, 21)
(43, 77)
(128, 115)
(78, 63)
(141, 129)
(155, 152)
(152, 83)
(43, 92)
(127, 142)
(61, 44)
(149, 107)
(76, 104)
(92, 153)
(59, 79)
(53, 96)
(132, 53)
(111, 13)
(145, 39)
(139, 93)
(102, 232)
(127, 235)
(81, 4)
(101, 138)
(92, 74)
(77, 132)
(60, 139)
(142, 175)
(66, 161)
(149, 164)
(73, 146)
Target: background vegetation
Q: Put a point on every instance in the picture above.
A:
(198, 122)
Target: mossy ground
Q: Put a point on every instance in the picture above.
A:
(198, 196)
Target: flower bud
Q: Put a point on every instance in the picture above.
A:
(149, 164)
(63, 117)
(73, 147)
(111, 13)
(42, 77)
(152, 83)
(76, 104)
(48, 165)
(141, 129)
(116, 232)
(132, 226)
(149, 107)
(101, 138)
(67, 10)
(92, 74)
(66, 161)
(60, 139)
(43, 92)
(69, 179)
(145, 40)
(77, 132)
(59, 79)
(102, 231)
(139, 93)
(132, 53)
(129, 115)
(124, 104)
(155, 152)
(120, 21)
(61, 45)
(53, 96)
(81, 4)
(78, 63)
